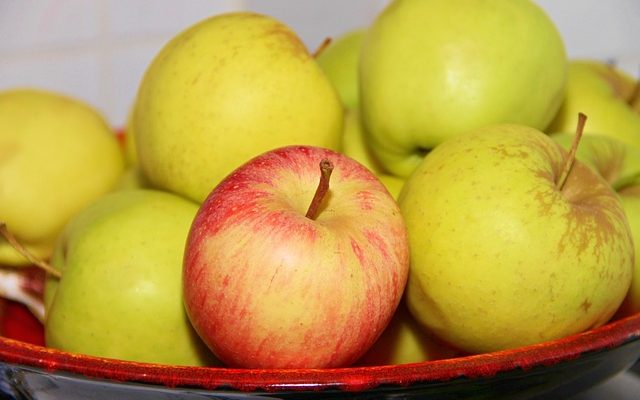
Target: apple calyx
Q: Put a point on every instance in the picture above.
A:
(325, 43)
(571, 157)
(326, 167)
(11, 239)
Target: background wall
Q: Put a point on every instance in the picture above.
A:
(98, 50)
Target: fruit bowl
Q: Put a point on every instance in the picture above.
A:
(557, 369)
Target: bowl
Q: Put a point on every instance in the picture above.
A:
(556, 369)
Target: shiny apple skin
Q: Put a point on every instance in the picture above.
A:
(267, 287)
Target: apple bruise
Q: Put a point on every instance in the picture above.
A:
(237, 207)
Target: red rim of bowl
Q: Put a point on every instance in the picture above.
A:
(486, 365)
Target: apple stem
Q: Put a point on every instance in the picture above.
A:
(635, 94)
(23, 251)
(571, 157)
(326, 167)
(325, 43)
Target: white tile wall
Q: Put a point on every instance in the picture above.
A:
(98, 50)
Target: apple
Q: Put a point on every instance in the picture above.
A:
(130, 151)
(57, 155)
(393, 184)
(120, 294)
(619, 164)
(132, 178)
(339, 61)
(355, 145)
(224, 90)
(603, 93)
(405, 341)
(433, 69)
(512, 241)
(276, 276)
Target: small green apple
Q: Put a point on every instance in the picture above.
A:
(132, 178)
(619, 164)
(120, 294)
(223, 91)
(355, 145)
(506, 249)
(393, 184)
(603, 93)
(433, 69)
(404, 341)
(57, 155)
(340, 62)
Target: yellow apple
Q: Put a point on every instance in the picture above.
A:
(340, 62)
(356, 146)
(601, 92)
(223, 91)
(506, 249)
(57, 155)
(404, 341)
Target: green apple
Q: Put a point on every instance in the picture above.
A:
(355, 145)
(57, 154)
(393, 183)
(223, 91)
(132, 178)
(507, 249)
(120, 294)
(603, 93)
(433, 69)
(340, 62)
(404, 342)
(619, 164)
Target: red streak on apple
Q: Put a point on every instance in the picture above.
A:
(267, 287)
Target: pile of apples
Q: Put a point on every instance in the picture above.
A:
(419, 189)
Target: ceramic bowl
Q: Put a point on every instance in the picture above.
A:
(555, 369)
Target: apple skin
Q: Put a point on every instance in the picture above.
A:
(393, 184)
(267, 287)
(433, 69)
(340, 61)
(405, 341)
(227, 89)
(500, 258)
(120, 295)
(630, 197)
(619, 164)
(355, 145)
(601, 92)
(57, 155)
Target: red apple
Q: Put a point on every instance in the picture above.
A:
(271, 281)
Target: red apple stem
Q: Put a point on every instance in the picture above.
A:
(571, 157)
(326, 167)
(325, 43)
(4, 231)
